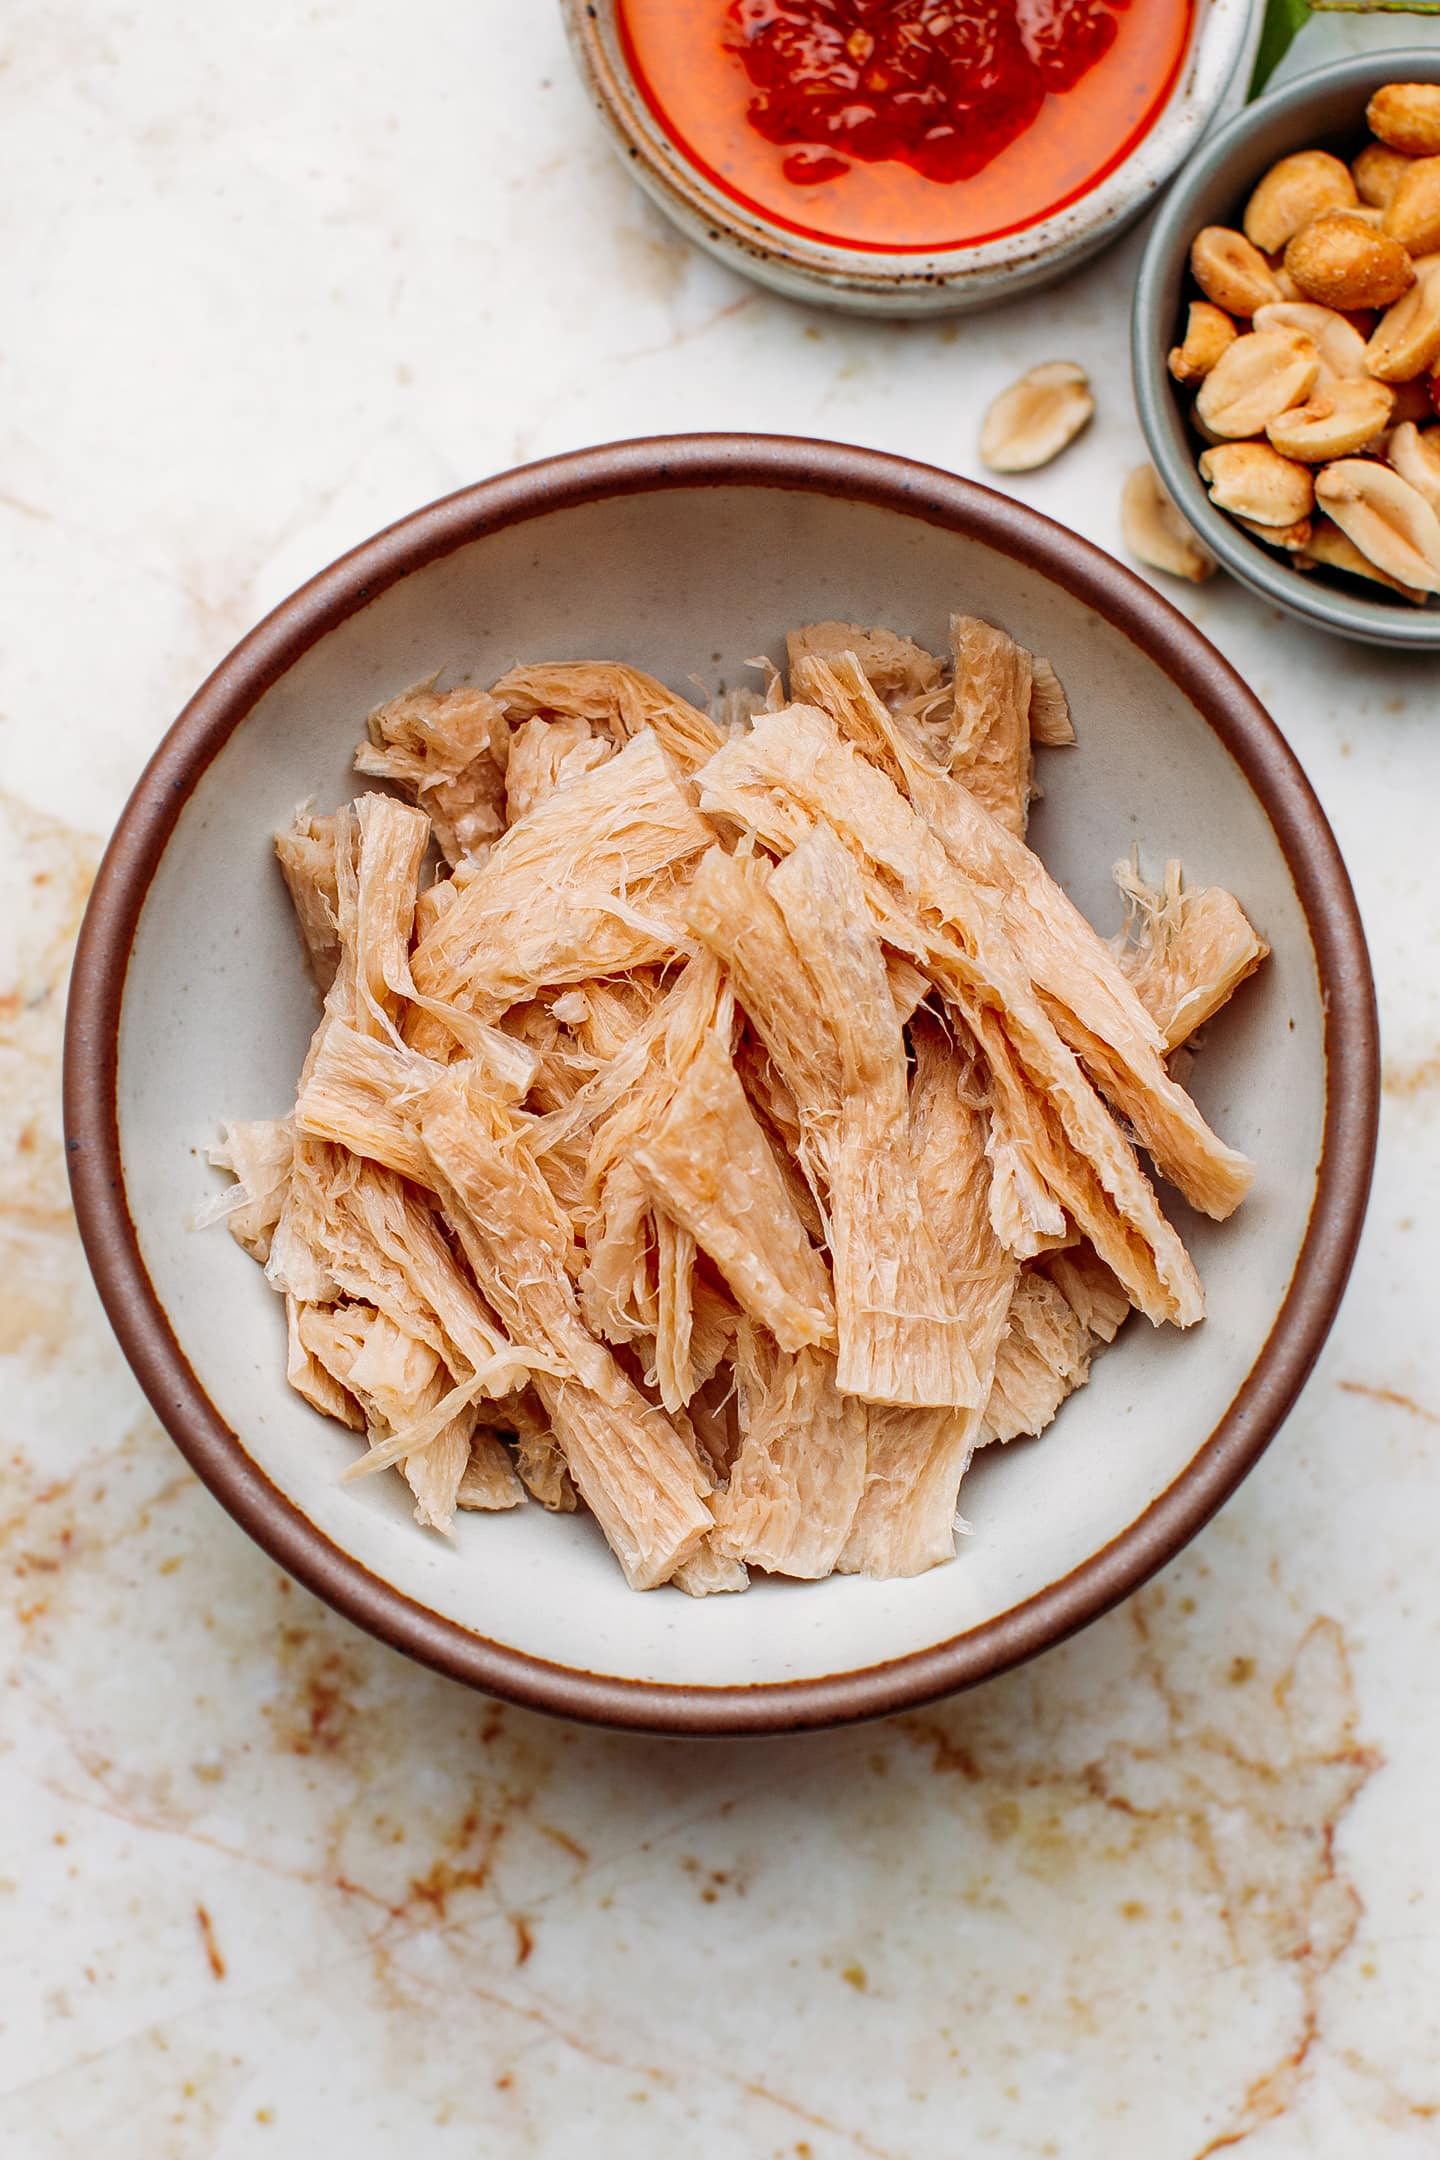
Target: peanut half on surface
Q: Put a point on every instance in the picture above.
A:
(1311, 351)
(1031, 422)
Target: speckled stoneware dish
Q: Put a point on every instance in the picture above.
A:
(1324, 110)
(1214, 71)
(190, 1003)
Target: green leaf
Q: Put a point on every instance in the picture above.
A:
(1284, 17)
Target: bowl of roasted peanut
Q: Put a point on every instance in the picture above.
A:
(1286, 348)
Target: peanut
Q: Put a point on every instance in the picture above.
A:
(1343, 264)
(1389, 520)
(1377, 171)
(1415, 455)
(1406, 341)
(1295, 190)
(1230, 272)
(1252, 480)
(1208, 330)
(1261, 375)
(1337, 421)
(1407, 117)
(1292, 538)
(1032, 421)
(1329, 549)
(1339, 344)
(1412, 215)
(1155, 531)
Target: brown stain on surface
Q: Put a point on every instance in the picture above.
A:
(1390, 1396)
(316, 1712)
(60, 1527)
(1248, 1807)
(46, 869)
(1408, 1081)
(465, 1864)
(213, 1955)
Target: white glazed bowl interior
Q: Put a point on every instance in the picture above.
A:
(217, 1010)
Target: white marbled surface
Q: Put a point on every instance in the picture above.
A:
(273, 276)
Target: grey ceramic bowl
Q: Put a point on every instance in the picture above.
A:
(948, 280)
(190, 1002)
(1325, 109)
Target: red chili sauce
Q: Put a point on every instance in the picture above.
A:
(905, 125)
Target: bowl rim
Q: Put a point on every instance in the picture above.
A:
(223, 702)
(1158, 399)
(1222, 39)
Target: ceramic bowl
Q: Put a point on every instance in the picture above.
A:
(1326, 110)
(190, 1004)
(1216, 64)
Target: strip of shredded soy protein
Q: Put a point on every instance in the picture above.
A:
(897, 669)
(826, 1019)
(1048, 1352)
(1094, 1009)
(610, 695)
(320, 1346)
(404, 1233)
(708, 1571)
(305, 851)
(1045, 1355)
(709, 1166)
(901, 1336)
(585, 885)
(731, 910)
(448, 748)
(620, 1290)
(916, 1459)
(421, 1422)
(353, 1096)
(792, 770)
(520, 1418)
(774, 1109)
(674, 1373)
(258, 1153)
(991, 752)
(546, 755)
(1090, 1290)
(654, 1062)
(800, 1469)
(1184, 949)
(358, 1232)
(1050, 721)
(618, 1284)
(489, 1482)
(296, 1262)
(630, 1466)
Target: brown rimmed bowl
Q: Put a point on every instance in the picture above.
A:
(190, 1004)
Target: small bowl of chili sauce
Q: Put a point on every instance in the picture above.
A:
(907, 157)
